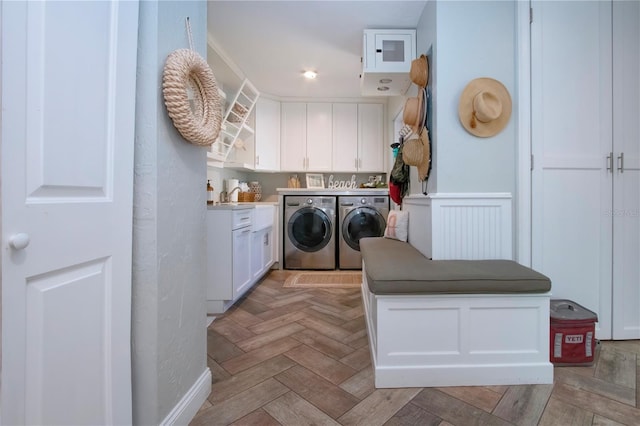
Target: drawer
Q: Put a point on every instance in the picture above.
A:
(241, 218)
(263, 216)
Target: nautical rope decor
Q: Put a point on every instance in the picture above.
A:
(186, 72)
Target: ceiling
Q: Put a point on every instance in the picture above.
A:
(273, 42)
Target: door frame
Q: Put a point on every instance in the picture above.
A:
(525, 160)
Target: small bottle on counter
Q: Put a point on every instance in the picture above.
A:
(209, 193)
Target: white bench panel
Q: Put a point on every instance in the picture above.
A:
(458, 340)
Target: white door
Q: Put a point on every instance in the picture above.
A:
(626, 173)
(68, 105)
(571, 139)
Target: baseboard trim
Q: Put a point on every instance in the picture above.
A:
(191, 402)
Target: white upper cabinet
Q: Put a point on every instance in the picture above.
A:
(358, 139)
(306, 131)
(267, 137)
(345, 137)
(371, 138)
(293, 134)
(386, 61)
(389, 50)
(319, 132)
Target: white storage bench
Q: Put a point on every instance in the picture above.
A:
(453, 322)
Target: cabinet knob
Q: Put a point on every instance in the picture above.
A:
(19, 241)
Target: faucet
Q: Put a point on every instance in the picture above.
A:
(227, 196)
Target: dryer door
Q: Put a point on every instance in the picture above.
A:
(309, 229)
(362, 222)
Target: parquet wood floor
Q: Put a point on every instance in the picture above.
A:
(287, 356)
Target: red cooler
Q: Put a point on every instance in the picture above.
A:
(572, 333)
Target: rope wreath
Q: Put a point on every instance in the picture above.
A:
(186, 70)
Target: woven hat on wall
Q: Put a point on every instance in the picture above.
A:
(419, 72)
(485, 107)
(417, 152)
(199, 123)
(414, 114)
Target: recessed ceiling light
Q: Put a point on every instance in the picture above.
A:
(310, 74)
(385, 81)
(383, 88)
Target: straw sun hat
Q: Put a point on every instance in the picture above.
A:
(415, 112)
(417, 152)
(485, 107)
(419, 72)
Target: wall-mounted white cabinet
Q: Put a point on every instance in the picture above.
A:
(305, 138)
(358, 137)
(267, 137)
(386, 61)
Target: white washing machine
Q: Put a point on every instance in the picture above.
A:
(359, 217)
(309, 232)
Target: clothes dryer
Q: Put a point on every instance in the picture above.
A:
(309, 232)
(359, 217)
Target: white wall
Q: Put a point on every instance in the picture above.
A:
(169, 246)
(427, 33)
(474, 39)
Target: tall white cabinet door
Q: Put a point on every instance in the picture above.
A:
(626, 174)
(293, 133)
(571, 139)
(267, 135)
(371, 137)
(345, 137)
(319, 135)
(67, 190)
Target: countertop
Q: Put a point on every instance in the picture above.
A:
(355, 191)
(241, 205)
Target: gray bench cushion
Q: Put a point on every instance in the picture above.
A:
(396, 267)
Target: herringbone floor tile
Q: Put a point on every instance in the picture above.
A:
(286, 356)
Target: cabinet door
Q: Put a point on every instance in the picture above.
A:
(319, 133)
(626, 170)
(371, 138)
(240, 262)
(345, 137)
(571, 139)
(389, 50)
(266, 241)
(293, 149)
(267, 136)
(256, 255)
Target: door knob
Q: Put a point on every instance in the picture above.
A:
(19, 241)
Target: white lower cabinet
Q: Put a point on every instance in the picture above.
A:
(239, 252)
(242, 277)
(261, 252)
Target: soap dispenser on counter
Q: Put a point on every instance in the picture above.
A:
(210, 194)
